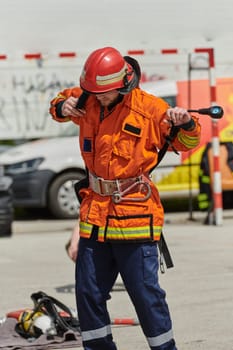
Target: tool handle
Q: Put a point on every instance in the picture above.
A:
(215, 112)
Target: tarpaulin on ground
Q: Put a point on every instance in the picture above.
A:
(10, 339)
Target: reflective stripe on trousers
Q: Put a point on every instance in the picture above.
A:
(160, 339)
(97, 268)
(96, 333)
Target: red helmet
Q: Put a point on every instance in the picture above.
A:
(105, 70)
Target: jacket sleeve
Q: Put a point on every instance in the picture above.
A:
(56, 104)
(188, 139)
(185, 140)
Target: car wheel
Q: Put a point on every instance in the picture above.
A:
(62, 201)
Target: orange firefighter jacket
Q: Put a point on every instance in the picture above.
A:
(123, 144)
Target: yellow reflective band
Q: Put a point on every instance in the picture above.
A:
(157, 232)
(205, 179)
(111, 78)
(101, 234)
(202, 197)
(85, 229)
(203, 205)
(121, 233)
(132, 233)
(188, 141)
(61, 96)
(58, 97)
(203, 202)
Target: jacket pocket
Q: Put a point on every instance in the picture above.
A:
(131, 132)
(150, 263)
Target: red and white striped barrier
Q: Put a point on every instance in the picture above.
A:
(75, 54)
(217, 184)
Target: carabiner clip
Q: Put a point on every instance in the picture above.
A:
(118, 196)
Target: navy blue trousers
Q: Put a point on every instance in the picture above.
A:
(97, 268)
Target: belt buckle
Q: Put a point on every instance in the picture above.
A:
(103, 187)
(95, 183)
(108, 187)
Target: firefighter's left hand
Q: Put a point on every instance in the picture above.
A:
(178, 116)
(72, 245)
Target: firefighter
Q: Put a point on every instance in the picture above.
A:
(121, 215)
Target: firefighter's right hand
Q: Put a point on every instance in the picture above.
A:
(69, 108)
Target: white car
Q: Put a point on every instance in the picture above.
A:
(43, 174)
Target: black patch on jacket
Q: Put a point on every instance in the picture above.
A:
(87, 145)
(132, 129)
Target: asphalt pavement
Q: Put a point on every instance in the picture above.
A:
(199, 288)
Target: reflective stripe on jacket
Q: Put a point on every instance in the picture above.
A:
(124, 145)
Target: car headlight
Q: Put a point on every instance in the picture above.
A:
(23, 167)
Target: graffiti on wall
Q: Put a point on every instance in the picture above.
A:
(25, 95)
(24, 102)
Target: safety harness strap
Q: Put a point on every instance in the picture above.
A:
(164, 254)
(169, 138)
